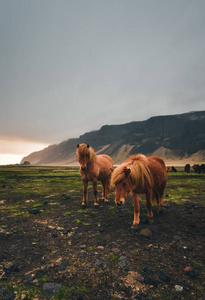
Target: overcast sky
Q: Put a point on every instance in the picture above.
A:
(71, 66)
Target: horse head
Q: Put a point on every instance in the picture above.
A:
(83, 152)
(122, 182)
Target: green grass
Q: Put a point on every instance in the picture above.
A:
(67, 213)
(22, 188)
(113, 257)
(63, 294)
(26, 292)
(23, 181)
(80, 289)
(37, 183)
(90, 248)
(197, 266)
(185, 186)
(43, 279)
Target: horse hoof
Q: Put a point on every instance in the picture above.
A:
(134, 226)
(106, 200)
(134, 229)
(96, 206)
(83, 206)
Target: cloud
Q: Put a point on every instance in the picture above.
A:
(72, 66)
(14, 146)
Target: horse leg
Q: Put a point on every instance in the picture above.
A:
(85, 186)
(136, 200)
(96, 203)
(159, 198)
(107, 188)
(103, 189)
(161, 195)
(149, 196)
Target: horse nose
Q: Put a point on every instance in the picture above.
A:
(83, 168)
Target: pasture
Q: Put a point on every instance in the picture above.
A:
(92, 253)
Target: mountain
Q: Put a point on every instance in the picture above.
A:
(170, 137)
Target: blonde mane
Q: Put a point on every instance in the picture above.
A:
(139, 171)
(84, 150)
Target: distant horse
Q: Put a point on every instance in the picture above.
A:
(202, 167)
(140, 175)
(92, 168)
(196, 168)
(187, 168)
(199, 168)
(174, 169)
(171, 169)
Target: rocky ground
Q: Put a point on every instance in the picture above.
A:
(64, 252)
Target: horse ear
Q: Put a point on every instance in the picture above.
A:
(127, 171)
(77, 145)
(88, 145)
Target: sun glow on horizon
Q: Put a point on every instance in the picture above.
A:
(10, 159)
(12, 151)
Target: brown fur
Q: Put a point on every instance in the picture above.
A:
(92, 168)
(140, 175)
(187, 168)
(169, 168)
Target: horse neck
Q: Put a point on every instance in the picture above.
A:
(92, 157)
(141, 174)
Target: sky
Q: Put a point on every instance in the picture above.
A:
(71, 66)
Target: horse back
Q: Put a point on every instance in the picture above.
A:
(158, 170)
(105, 164)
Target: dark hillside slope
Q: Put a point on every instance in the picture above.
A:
(182, 135)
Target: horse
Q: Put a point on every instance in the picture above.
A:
(174, 169)
(202, 168)
(171, 169)
(140, 175)
(187, 168)
(199, 168)
(196, 168)
(92, 168)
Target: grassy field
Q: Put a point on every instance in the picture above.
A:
(27, 183)
(26, 187)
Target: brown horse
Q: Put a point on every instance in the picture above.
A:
(92, 168)
(171, 169)
(187, 168)
(140, 175)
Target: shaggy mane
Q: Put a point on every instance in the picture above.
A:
(139, 171)
(83, 150)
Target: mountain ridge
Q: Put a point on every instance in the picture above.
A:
(175, 136)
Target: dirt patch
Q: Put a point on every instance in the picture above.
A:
(81, 250)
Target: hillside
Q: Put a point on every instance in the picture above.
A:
(172, 137)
